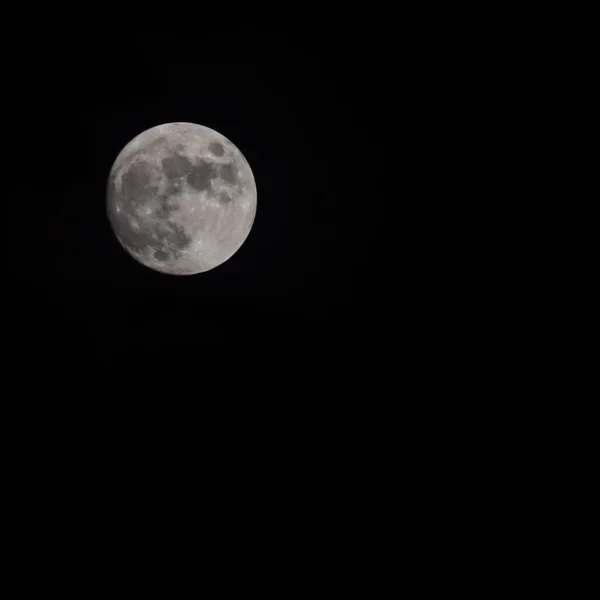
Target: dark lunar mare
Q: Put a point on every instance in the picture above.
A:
(216, 148)
(165, 203)
(176, 166)
(167, 238)
(161, 255)
(175, 236)
(227, 173)
(132, 239)
(201, 176)
(136, 190)
(135, 184)
(173, 187)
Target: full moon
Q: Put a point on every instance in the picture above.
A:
(181, 198)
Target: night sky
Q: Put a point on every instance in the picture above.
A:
(300, 296)
(302, 394)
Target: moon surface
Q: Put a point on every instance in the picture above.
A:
(181, 198)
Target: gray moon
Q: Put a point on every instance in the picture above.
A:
(181, 198)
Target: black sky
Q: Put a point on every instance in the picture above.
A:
(302, 287)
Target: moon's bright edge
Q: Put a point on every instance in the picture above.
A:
(181, 198)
